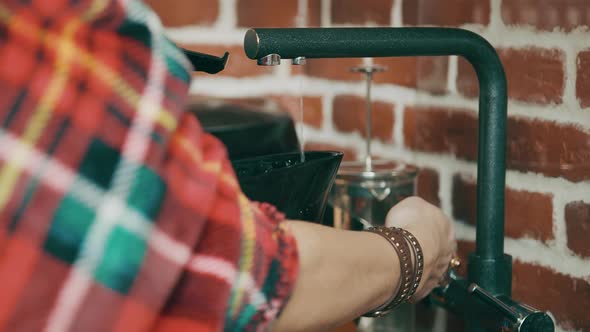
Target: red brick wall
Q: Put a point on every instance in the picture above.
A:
(426, 114)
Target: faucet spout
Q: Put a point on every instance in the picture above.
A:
(299, 61)
(269, 60)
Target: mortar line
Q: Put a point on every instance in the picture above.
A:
(327, 106)
(396, 14)
(227, 19)
(232, 86)
(569, 90)
(524, 36)
(496, 20)
(453, 73)
(559, 226)
(445, 190)
(326, 7)
(398, 124)
(192, 34)
(302, 14)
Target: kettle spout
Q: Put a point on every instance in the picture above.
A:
(206, 63)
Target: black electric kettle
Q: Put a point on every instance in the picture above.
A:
(247, 131)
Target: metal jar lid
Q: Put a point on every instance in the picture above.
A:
(382, 171)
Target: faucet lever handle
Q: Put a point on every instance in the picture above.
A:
(492, 300)
(519, 317)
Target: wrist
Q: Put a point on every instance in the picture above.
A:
(389, 275)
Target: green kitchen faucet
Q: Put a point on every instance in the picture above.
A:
(483, 300)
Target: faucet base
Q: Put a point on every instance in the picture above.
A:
(493, 274)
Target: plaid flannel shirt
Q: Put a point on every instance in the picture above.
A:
(117, 212)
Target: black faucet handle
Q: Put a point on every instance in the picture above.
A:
(206, 63)
(495, 313)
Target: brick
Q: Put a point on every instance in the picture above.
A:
(527, 214)
(333, 69)
(360, 12)
(577, 219)
(238, 64)
(349, 152)
(547, 15)
(314, 13)
(425, 73)
(534, 75)
(549, 148)
(531, 143)
(441, 130)
(410, 12)
(400, 71)
(186, 12)
(266, 13)
(349, 115)
(312, 109)
(427, 185)
(583, 80)
(432, 74)
(446, 13)
(567, 298)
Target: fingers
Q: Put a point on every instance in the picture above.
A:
(435, 233)
(429, 285)
(406, 212)
(436, 275)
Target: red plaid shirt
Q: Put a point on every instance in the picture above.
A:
(117, 212)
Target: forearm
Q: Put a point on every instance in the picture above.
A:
(343, 274)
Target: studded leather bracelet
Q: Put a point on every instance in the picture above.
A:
(411, 266)
(418, 259)
(400, 246)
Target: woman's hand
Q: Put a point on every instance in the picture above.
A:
(435, 233)
(344, 274)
